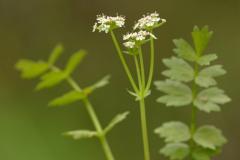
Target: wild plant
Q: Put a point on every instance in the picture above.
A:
(143, 33)
(191, 82)
(51, 76)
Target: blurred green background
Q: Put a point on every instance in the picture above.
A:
(29, 130)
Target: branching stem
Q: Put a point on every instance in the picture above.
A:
(94, 118)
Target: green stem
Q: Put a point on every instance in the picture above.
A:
(141, 79)
(94, 118)
(151, 69)
(138, 70)
(144, 129)
(142, 68)
(194, 109)
(120, 54)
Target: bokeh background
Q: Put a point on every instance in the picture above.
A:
(29, 130)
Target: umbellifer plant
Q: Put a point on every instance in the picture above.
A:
(195, 85)
(182, 141)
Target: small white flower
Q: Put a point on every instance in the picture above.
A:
(129, 44)
(106, 23)
(136, 38)
(149, 21)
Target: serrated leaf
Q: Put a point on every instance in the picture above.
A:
(101, 83)
(178, 94)
(57, 51)
(74, 60)
(206, 59)
(174, 132)
(201, 38)
(31, 69)
(176, 151)
(67, 98)
(178, 69)
(51, 79)
(81, 134)
(209, 137)
(208, 99)
(206, 76)
(117, 119)
(184, 50)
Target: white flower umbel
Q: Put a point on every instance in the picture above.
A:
(136, 38)
(149, 22)
(106, 23)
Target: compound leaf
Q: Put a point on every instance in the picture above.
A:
(174, 132)
(51, 79)
(201, 38)
(206, 59)
(206, 76)
(117, 119)
(74, 60)
(178, 69)
(178, 94)
(208, 99)
(31, 69)
(57, 51)
(67, 98)
(209, 137)
(184, 49)
(81, 134)
(176, 151)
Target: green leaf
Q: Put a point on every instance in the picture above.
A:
(57, 51)
(117, 119)
(174, 132)
(179, 69)
(176, 151)
(30, 69)
(200, 155)
(101, 83)
(67, 98)
(208, 99)
(209, 137)
(178, 94)
(184, 50)
(74, 60)
(206, 59)
(201, 38)
(206, 76)
(81, 134)
(51, 79)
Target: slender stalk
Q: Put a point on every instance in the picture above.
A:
(94, 118)
(151, 69)
(144, 129)
(142, 68)
(138, 70)
(125, 66)
(194, 109)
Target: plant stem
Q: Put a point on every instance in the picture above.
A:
(142, 69)
(194, 109)
(144, 129)
(151, 69)
(93, 116)
(138, 71)
(99, 129)
(125, 66)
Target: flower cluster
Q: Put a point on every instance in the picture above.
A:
(106, 23)
(136, 38)
(149, 21)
